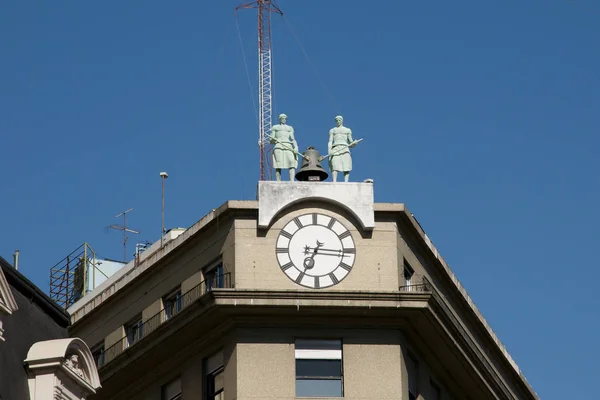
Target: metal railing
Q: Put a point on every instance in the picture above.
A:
(68, 278)
(147, 326)
(419, 284)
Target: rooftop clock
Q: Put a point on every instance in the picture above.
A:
(315, 250)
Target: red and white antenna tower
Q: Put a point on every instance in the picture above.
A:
(265, 84)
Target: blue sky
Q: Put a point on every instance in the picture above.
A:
(481, 116)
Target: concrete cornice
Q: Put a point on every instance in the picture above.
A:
(230, 304)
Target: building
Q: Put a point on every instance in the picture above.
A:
(38, 360)
(313, 290)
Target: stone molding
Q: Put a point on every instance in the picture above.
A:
(61, 368)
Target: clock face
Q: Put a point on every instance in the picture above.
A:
(315, 250)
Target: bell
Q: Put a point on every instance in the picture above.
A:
(311, 169)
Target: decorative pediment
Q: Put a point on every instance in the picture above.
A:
(72, 364)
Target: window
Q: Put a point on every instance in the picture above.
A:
(319, 368)
(133, 330)
(408, 276)
(172, 303)
(213, 276)
(412, 368)
(214, 381)
(436, 392)
(172, 390)
(98, 354)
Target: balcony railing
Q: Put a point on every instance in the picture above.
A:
(150, 324)
(419, 284)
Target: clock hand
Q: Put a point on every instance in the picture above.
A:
(337, 254)
(335, 250)
(309, 262)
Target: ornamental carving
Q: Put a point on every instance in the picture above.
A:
(72, 363)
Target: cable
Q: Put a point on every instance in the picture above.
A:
(320, 79)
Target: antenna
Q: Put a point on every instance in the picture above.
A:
(265, 8)
(125, 230)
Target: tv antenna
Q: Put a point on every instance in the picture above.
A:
(125, 230)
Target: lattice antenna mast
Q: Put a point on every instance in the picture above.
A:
(125, 230)
(265, 83)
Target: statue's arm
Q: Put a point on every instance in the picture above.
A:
(272, 138)
(330, 143)
(293, 139)
(350, 136)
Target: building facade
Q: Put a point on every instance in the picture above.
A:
(314, 290)
(37, 359)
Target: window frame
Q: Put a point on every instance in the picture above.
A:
(408, 281)
(177, 396)
(213, 367)
(173, 298)
(130, 333)
(411, 359)
(98, 353)
(211, 388)
(216, 269)
(309, 349)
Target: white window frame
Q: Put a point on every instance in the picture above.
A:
(320, 349)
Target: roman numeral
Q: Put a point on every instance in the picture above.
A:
(299, 278)
(331, 222)
(286, 234)
(346, 266)
(317, 283)
(297, 221)
(344, 235)
(287, 266)
(351, 250)
(334, 278)
(281, 250)
(314, 218)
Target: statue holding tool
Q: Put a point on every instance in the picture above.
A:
(285, 151)
(340, 143)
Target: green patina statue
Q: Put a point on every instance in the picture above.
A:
(340, 143)
(285, 152)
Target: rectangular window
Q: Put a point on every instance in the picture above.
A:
(408, 277)
(412, 368)
(133, 330)
(98, 354)
(213, 277)
(436, 392)
(172, 390)
(172, 303)
(319, 368)
(214, 378)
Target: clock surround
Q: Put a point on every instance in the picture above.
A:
(315, 250)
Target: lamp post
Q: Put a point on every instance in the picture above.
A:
(163, 176)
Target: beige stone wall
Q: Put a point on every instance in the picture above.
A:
(145, 292)
(256, 267)
(371, 363)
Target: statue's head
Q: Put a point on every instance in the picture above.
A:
(339, 120)
(282, 118)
